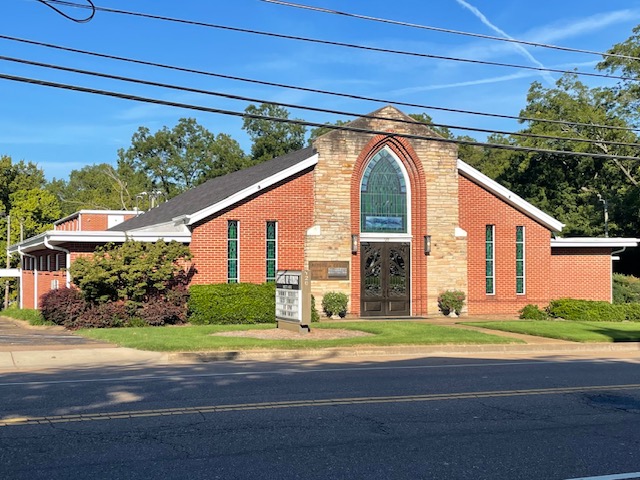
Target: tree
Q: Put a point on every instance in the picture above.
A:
(99, 187)
(36, 209)
(178, 159)
(271, 138)
(18, 176)
(567, 186)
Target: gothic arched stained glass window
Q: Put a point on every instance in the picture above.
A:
(383, 196)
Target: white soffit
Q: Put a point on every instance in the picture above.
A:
(509, 197)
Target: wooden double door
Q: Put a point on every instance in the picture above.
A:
(385, 275)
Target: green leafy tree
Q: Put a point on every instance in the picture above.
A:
(178, 159)
(36, 209)
(272, 138)
(427, 120)
(567, 186)
(18, 176)
(100, 187)
(134, 271)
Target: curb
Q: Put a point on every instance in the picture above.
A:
(331, 353)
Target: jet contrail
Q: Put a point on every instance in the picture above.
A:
(546, 75)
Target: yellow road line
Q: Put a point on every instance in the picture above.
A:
(84, 417)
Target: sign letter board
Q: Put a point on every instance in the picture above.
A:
(293, 299)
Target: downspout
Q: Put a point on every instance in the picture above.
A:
(35, 278)
(68, 254)
(612, 259)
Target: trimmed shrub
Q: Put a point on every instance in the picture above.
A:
(63, 306)
(451, 301)
(232, 303)
(315, 317)
(335, 303)
(104, 315)
(159, 311)
(626, 288)
(594, 311)
(532, 312)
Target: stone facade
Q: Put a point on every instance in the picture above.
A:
(433, 184)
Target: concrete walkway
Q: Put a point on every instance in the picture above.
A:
(23, 347)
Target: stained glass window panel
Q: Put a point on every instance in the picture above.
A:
(232, 251)
(383, 196)
(520, 270)
(271, 251)
(489, 249)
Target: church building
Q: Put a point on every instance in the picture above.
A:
(381, 210)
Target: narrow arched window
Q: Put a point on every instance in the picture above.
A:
(383, 196)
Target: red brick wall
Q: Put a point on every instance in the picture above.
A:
(89, 222)
(290, 203)
(479, 208)
(582, 273)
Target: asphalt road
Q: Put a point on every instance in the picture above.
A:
(433, 418)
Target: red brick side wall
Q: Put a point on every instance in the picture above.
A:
(479, 208)
(89, 222)
(582, 273)
(289, 203)
(45, 277)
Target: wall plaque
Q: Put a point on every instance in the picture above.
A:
(329, 270)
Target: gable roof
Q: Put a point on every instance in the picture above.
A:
(509, 197)
(218, 193)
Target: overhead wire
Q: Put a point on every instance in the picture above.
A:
(69, 17)
(448, 30)
(312, 90)
(342, 44)
(346, 127)
(303, 107)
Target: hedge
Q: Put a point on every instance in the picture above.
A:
(232, 303)
(586, 310)
(626, 288)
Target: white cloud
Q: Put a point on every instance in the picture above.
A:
(518, 47)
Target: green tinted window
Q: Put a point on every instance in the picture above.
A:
(520, 260)
(383, 196)
(232, 251)
(271, 251)
(489, 248)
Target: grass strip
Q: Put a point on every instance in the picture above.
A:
(203, 338)
(584, 332)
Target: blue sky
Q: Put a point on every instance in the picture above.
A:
(63, 130)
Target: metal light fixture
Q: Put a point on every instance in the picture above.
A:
(427, 244)
(354, 244)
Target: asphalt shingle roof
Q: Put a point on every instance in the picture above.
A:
(214, 191)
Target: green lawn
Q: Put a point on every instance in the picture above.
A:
(199, 338)
(574, 331)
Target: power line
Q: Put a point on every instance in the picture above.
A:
(342, 44)
(302, 107)
(312, 90)
(447, 30)
(107, 93)
(69, 17)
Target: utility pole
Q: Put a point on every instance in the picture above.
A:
(6, 283)
(606, 214)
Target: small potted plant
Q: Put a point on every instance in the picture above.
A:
(335, 303)
(451, 302)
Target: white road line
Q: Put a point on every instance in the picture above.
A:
(615, 476)
(284, 371)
